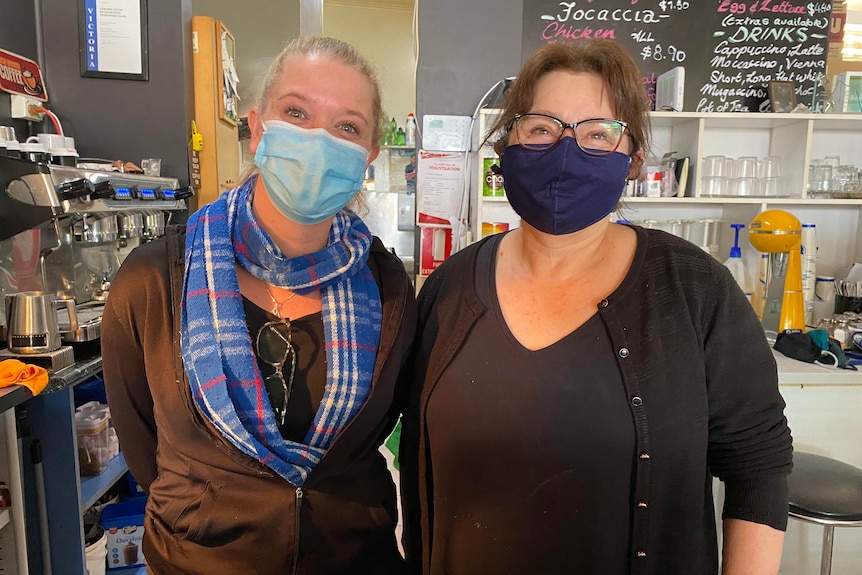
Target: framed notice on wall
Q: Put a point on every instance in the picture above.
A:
(113, 39)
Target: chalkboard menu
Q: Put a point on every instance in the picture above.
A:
(730, 50)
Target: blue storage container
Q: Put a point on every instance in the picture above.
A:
(90, 391)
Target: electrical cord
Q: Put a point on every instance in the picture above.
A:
(35, 109)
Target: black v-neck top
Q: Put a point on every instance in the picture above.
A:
(531, 450)
(309, 382)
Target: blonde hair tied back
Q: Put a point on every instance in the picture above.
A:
(333, 48)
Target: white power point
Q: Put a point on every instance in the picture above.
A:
(21, 108)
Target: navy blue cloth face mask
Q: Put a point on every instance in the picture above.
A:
(562, 189)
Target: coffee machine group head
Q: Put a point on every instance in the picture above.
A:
(779, 234)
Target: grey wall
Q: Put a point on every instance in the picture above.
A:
(260, 28)
(17, 34)
(125, 119)
(463, 52)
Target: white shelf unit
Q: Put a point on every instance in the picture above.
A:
(489, 209)
(795, 138)
(13, 543)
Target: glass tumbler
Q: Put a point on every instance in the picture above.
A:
(769, 182)
(714, 167)
(744, 180)
(822, 179)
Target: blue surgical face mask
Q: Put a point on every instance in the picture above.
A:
(310, 175)
(563, 189)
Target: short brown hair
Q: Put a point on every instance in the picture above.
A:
(603, 57)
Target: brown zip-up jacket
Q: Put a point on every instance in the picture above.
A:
(213, 509)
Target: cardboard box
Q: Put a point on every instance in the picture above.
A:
(124, 527)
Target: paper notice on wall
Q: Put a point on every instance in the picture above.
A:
(440, 186)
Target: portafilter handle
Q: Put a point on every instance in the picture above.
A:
(102, 190)
(16, 214)
(74, 189)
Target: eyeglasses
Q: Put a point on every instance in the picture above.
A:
(596, 137)
(274, 346)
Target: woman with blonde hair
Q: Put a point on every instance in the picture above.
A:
(251, 358)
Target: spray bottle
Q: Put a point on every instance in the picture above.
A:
(410, 130)
(735, 264)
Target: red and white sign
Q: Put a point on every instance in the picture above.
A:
(19, 75)
(440, 187)
(435, 245)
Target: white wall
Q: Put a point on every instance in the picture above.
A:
(384, 35)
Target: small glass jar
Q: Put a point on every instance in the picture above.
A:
(841, 331)
(854, 335)
(827, 324)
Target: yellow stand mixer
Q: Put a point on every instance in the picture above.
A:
(779, 234)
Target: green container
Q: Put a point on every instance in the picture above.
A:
(492, 180)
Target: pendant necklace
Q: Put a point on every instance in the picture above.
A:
(276, 305)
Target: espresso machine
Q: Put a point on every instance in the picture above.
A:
(779, 234)
(64, 232)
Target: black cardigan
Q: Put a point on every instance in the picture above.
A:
(702, 389)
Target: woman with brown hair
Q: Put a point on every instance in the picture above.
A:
(580, 382)
(252, 357)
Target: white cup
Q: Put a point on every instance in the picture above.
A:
(151, 166)
(50, 141)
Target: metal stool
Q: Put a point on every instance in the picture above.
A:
(827, 492)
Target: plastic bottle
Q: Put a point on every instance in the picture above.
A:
(410, 130)
(393, 128)
(399, 137)
(736, 266)
(809, 269)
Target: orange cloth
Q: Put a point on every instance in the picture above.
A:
(15, 372)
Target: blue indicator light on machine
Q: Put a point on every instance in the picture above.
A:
(169, 194)
(123, 193)
(148, 194)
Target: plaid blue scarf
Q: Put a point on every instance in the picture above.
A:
(216, 346)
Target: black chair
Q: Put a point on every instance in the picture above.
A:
(826, 492)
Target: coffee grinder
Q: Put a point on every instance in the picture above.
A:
(779, 234)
